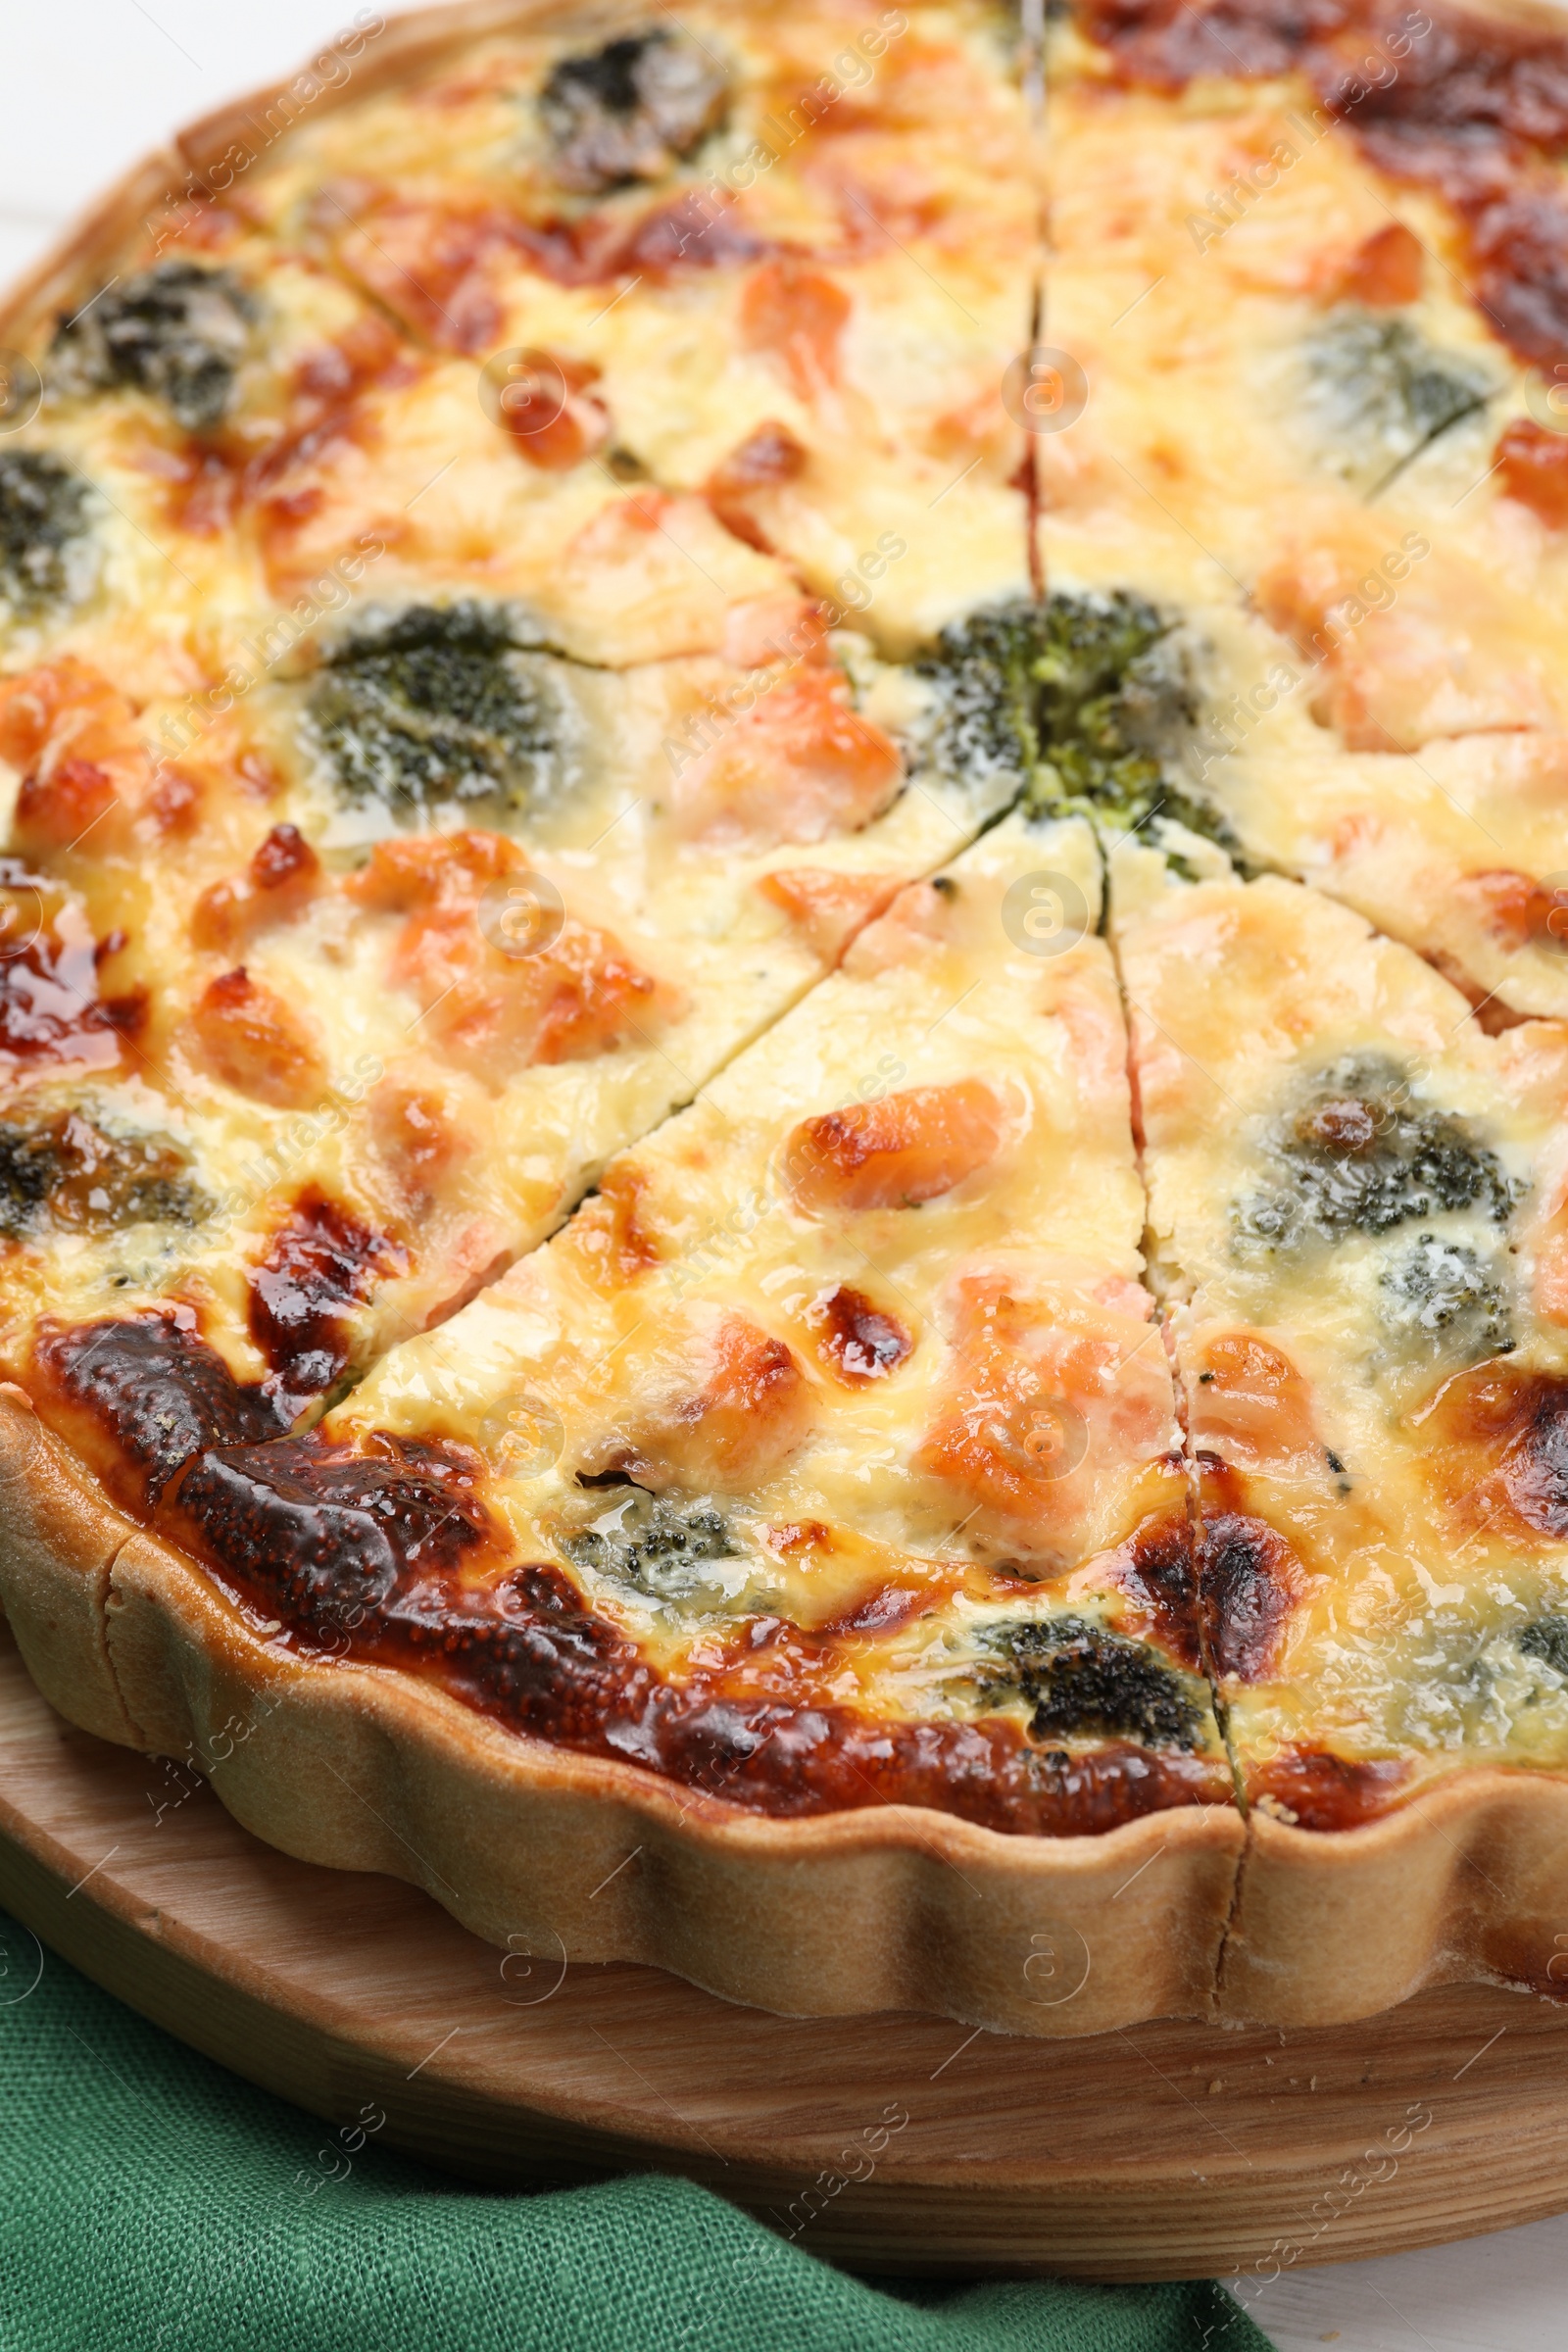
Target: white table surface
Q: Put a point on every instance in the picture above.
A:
(94, 83)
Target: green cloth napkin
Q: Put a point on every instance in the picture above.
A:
(150, 2202)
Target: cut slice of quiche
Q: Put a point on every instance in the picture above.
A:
(834, 1434)
(1356, 1208)
(1313, 454)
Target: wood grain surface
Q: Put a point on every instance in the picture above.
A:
(891, 2142)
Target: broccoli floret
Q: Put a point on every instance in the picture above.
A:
(651, 1542)
(1078, 1678)
(1085, 700)
(178, 331)
(433, 707)
(1382, 393)
(42, 518)
(1361, 1157)
(1546, 1639)
(983, 669)
(1441, 1285)
(628, 111)
(61, 1172)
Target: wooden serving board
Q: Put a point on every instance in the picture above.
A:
(889, 2142)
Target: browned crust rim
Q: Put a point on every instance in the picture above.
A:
(1186, 1912)
(830, 1915)
(360, 1767)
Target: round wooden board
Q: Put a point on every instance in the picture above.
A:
(889, 2142)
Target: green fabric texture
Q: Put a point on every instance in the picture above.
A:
(150, 2202)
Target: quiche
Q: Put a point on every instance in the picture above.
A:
(783, 1050)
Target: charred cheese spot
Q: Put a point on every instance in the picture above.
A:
(907, 1148)
(1469, 130)
(326, 1538)
(1158, 1570)
(1250, 1582)
(855, 1338)
(52, 1015)
(766, 459)
(885, 1611)
(373, 1557)
(243, 1033)
(143, 1396)
(1535, 1465)
(317, 1267)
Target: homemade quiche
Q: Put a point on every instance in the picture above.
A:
(783, 1023)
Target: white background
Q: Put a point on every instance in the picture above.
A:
(90, 85)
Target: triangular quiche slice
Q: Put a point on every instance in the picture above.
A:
(819, 1481)
(1312, 456)
(1356, 1214)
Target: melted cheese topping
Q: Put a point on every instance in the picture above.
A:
(296, 986)
(872, 1303)
(1291, 444)
(682, 879)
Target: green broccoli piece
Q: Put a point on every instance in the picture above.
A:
(42, 518)
(1382, 394)
(1361, 1156)
(1085, 700)
(1546, 1639)
(655, 1543)
(432, 707)
(178, 331)
(1080, 1678)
